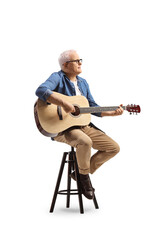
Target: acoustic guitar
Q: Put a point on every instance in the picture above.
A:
(51, 119)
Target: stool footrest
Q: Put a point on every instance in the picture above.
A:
(71, 192)
(69, 161)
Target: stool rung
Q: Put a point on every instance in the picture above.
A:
(65, 192)
(68, 161)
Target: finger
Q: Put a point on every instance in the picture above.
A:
(73, 109)
(117, 112)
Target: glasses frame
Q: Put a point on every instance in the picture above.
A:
(77, 61)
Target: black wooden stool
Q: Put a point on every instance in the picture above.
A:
(72, 166)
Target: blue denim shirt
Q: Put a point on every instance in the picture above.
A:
(59, 82)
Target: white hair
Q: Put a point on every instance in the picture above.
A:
(64, 57)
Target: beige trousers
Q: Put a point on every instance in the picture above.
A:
(83, 139)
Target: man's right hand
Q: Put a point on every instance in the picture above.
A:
(68, 107)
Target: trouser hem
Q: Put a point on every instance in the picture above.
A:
(84, 171)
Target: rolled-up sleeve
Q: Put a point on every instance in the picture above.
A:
(47, 88)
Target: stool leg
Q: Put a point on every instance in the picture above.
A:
(68, 184)
(58, 182)
(95, 202)
(78, 185)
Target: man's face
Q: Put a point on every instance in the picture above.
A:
(73, 67)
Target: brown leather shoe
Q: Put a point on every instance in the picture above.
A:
(86, 186)
(73, 176)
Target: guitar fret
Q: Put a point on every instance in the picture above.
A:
(98, 109)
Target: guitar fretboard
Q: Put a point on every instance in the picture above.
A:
(98, 109)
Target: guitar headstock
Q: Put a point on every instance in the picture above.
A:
(133, 108)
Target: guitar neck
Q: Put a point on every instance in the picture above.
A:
(98, 109)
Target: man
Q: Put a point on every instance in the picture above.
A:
(83, 138)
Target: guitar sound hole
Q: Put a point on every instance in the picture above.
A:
(77, 112)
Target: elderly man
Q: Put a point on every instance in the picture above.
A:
(83, 138)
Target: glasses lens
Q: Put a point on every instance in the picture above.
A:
(77, 61)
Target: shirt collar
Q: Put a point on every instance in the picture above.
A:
(63, 73)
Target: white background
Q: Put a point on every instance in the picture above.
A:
(119, 43)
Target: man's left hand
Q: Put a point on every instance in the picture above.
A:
(119, 110)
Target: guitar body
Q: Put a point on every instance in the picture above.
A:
(52, 119)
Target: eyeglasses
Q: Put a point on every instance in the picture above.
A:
(77, 61)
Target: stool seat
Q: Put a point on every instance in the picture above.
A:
(72, 166)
